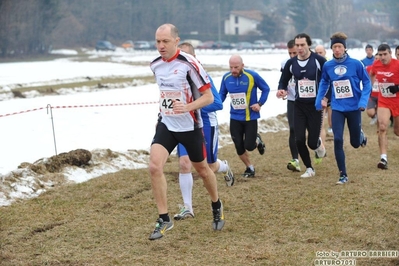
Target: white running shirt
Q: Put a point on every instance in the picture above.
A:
(180, 78)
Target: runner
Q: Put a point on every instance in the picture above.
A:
(211, 133)
(242, 85)
(306, 69)
(293, 164)
(373, 100)
(369, 59)
(319, 49)
(386, 72)
(343, 75)
(184, 88)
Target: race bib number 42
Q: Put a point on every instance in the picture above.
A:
(166, 101)
(238, 100)
(306, 88)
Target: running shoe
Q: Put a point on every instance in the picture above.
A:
(383, 164)
(363, 138)
(218, 218)
(249, 173)
(228, 176)
(342, 180)
(293, 165)
(373, 120)
(183, 213)
(308, 173)
(160, 228)
(320, 153)
(330, 131)
(261, 145)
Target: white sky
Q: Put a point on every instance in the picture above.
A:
(28, 136)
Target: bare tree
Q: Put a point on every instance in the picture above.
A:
(325, 18)
(319, 18)
(26, 25)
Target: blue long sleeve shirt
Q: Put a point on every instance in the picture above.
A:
(344, 78)
(368, 60)
(243, 94)
(208, 113)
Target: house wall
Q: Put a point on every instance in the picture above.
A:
(237, 25)
(374, 18)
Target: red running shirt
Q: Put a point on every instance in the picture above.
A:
(386, 75)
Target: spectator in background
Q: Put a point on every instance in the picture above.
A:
(242, 85)
(369, 59)
(397, 52)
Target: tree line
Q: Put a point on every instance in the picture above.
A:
(35, 26)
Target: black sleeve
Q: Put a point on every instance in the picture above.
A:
(286, 75)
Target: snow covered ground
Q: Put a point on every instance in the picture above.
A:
(120, 119)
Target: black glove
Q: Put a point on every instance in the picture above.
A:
(393, 89)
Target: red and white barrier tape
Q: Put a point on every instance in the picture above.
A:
(78, 106)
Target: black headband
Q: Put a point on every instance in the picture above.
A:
(338, 40)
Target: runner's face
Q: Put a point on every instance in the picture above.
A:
(302, 47)
(236, 68)
(338, 50)
(292, 52)
(369, 52)
(385, 56)
(166, 43)
(320, 51)
(186, 49)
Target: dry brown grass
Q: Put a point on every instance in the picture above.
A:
(100, 83)
(274, 219)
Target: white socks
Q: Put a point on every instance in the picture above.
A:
(222, 166)
(186, 186)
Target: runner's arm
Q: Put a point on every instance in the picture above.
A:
(217, 102)
(367, 87)
(323, 89)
